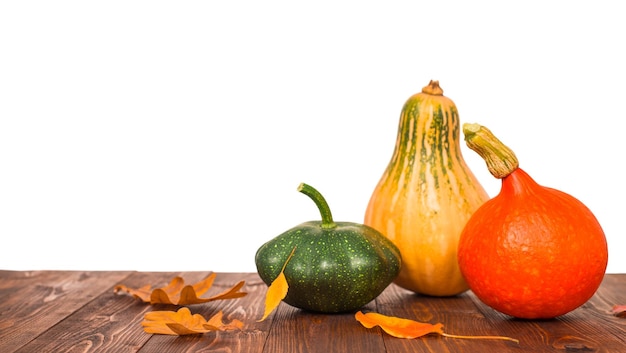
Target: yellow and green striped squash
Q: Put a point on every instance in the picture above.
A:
(426, 195)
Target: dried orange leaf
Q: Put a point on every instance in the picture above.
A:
(204, 285)
(142, 293)
(157, 321)
(230, 293)
(182, 322)
(168, 294)
(405, 328)
(177, 293)
(181, 330)
(216, 323)
(277, 291)
(398, 327)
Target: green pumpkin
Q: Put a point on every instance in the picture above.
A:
(336, 266)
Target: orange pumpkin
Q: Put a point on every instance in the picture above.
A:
(426, 195)
(532, 251)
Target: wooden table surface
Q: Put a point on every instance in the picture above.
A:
(75, 311)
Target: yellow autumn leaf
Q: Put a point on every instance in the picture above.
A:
(277, 291)
(182, 322)
(177, 293)
(406, 328)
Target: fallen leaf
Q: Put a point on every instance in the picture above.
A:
(619, 310)
(406, 328)
(398, 327)
(216, 322)
(277, 291)
(182, 322)
(181, 330)
(177, 293)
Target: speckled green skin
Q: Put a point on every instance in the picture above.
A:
(332, 270)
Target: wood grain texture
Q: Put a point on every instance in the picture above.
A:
(66, 311)
(33, 302)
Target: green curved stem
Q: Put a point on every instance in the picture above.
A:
(320, 202)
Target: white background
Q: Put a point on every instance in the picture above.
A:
(172, 135)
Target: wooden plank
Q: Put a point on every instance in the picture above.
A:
(109, 323)
(294, 330)
(66, 311)
(611, 292)
(582, 330)
(16, 290)
(248, 309)
(32, 302)
(457, 314)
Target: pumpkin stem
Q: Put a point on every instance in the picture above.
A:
(320, 202)
(501, 161)
(433, 89)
